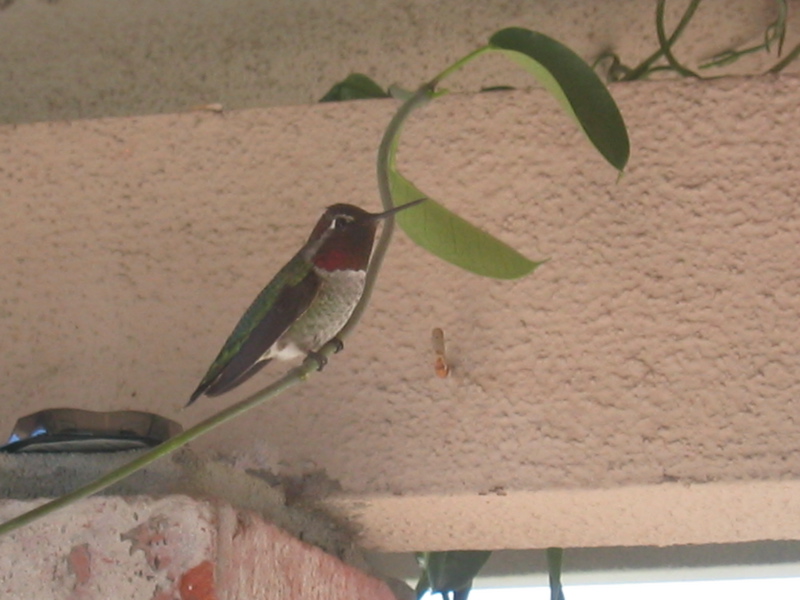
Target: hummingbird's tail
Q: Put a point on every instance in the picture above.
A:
(221, 384)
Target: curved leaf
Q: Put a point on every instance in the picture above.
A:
(435, 228)
(554, 559)
(454, 569)
(574, 84)
(355, 86)
(451, 238)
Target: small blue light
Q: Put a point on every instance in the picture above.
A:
(38, 432)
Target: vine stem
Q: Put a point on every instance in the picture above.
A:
(458, 65)
(555, 557)
(385, 165)
(791, 56)
(644, 67)
(775, 31)
(310, 365)
(291, 378)
(666, 44)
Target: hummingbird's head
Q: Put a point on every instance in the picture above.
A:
(343, 236)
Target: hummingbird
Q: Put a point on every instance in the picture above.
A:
(306, 304)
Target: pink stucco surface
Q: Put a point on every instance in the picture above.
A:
(657, 350)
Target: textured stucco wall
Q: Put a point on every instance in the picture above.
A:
(94, 58)
(648, 371)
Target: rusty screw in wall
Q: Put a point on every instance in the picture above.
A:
(440, 365)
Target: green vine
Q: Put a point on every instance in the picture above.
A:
(582, 95)
(664, 60)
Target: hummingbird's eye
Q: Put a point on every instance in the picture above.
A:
(341, 222)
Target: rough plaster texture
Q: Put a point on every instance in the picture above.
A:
(172, 548)
(92, 58)
(646, 375)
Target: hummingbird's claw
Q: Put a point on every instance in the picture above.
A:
(319, 358)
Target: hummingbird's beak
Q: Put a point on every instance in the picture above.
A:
(396, 209)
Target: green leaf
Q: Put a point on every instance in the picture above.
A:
(423, 585)
(554, 559)
(354, 87)
(574, 84)
(451, 238)
(452, 571)
(430, 224)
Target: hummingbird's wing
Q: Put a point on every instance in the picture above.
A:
(269, 316)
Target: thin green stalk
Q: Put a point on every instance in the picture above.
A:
(290, 379)
(458, 65)
(644, 67)
(384, 164)
(555, 558)
(666, 44)
(293, 377)
(419, 98)
(774, 31)
(779, 25)
(780, 66)
(729, 57)
(422, 96)
(616, 70)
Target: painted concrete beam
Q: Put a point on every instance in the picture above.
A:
(646, 374)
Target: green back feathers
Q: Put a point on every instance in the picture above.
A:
(290, 275)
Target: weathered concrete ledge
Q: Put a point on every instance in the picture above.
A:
(647, 374)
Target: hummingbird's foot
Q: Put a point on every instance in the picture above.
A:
(319, 358)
